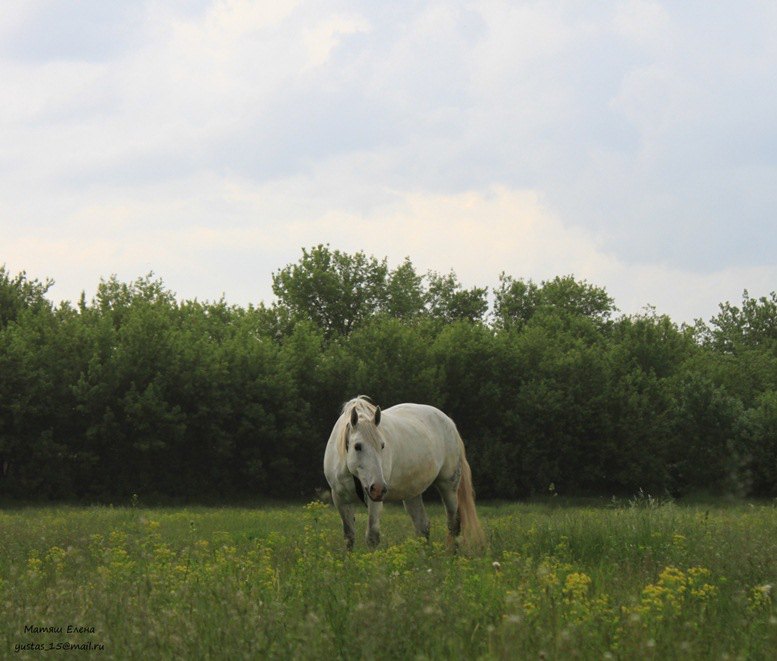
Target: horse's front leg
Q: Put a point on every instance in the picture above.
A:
(373, 527)
(349, 520)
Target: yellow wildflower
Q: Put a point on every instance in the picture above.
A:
(760, 597)
(576, 586)
(34, 563)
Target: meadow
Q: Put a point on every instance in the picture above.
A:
(633, 579)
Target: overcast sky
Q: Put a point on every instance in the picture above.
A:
(632, 144)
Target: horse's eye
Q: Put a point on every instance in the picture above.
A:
(357, 447)
(382, 445)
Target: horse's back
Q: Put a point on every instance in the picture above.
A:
(420, 417)
(428, 417)
(425, 445)
(334, 464)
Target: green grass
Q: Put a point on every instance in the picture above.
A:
(634, 580)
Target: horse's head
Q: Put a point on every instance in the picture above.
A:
(364, 453)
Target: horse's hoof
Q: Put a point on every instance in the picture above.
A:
(452, 544)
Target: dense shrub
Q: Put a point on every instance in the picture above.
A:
(138, 392)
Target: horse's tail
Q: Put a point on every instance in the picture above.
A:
(471, 531)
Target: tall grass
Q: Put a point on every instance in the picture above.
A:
(634, 580)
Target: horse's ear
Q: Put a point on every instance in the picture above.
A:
(354, 417)
(377, 415)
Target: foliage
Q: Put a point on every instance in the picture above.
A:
(339, 292)
(449, 302)
(761, 445)
(135, 391)
(335, 290)
(18, 294)
(752, 324)
(517, 301)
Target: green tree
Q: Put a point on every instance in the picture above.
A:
(761, 433)
(645, 353)
(19, 293)
(41, 354)
(135, 391)
(652, 343)
(562, 402)
(517, 301)
(706, 451)
(404, 292)
(754, 324)
(448, 301)
(740, 348)
(335, 290)
(129, 423)
(394, 362)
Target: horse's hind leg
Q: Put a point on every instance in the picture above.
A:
(448, 489)
(451, 502)
(415, 508)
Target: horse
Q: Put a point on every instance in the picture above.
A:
(395, 455)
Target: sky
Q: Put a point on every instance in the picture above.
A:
(632, 144)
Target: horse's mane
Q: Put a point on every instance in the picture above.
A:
(363, 405)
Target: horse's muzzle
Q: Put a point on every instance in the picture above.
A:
(377, 491)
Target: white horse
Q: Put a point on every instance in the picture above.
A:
(395, 455)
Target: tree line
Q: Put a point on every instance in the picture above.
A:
(136, 392)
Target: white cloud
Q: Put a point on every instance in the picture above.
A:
(478, 234)
(645, 23)
(15, 13)
(323, 38)
(627, 142)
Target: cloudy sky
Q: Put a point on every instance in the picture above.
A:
(631, 143)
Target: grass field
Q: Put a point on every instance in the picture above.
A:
(632, 580)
